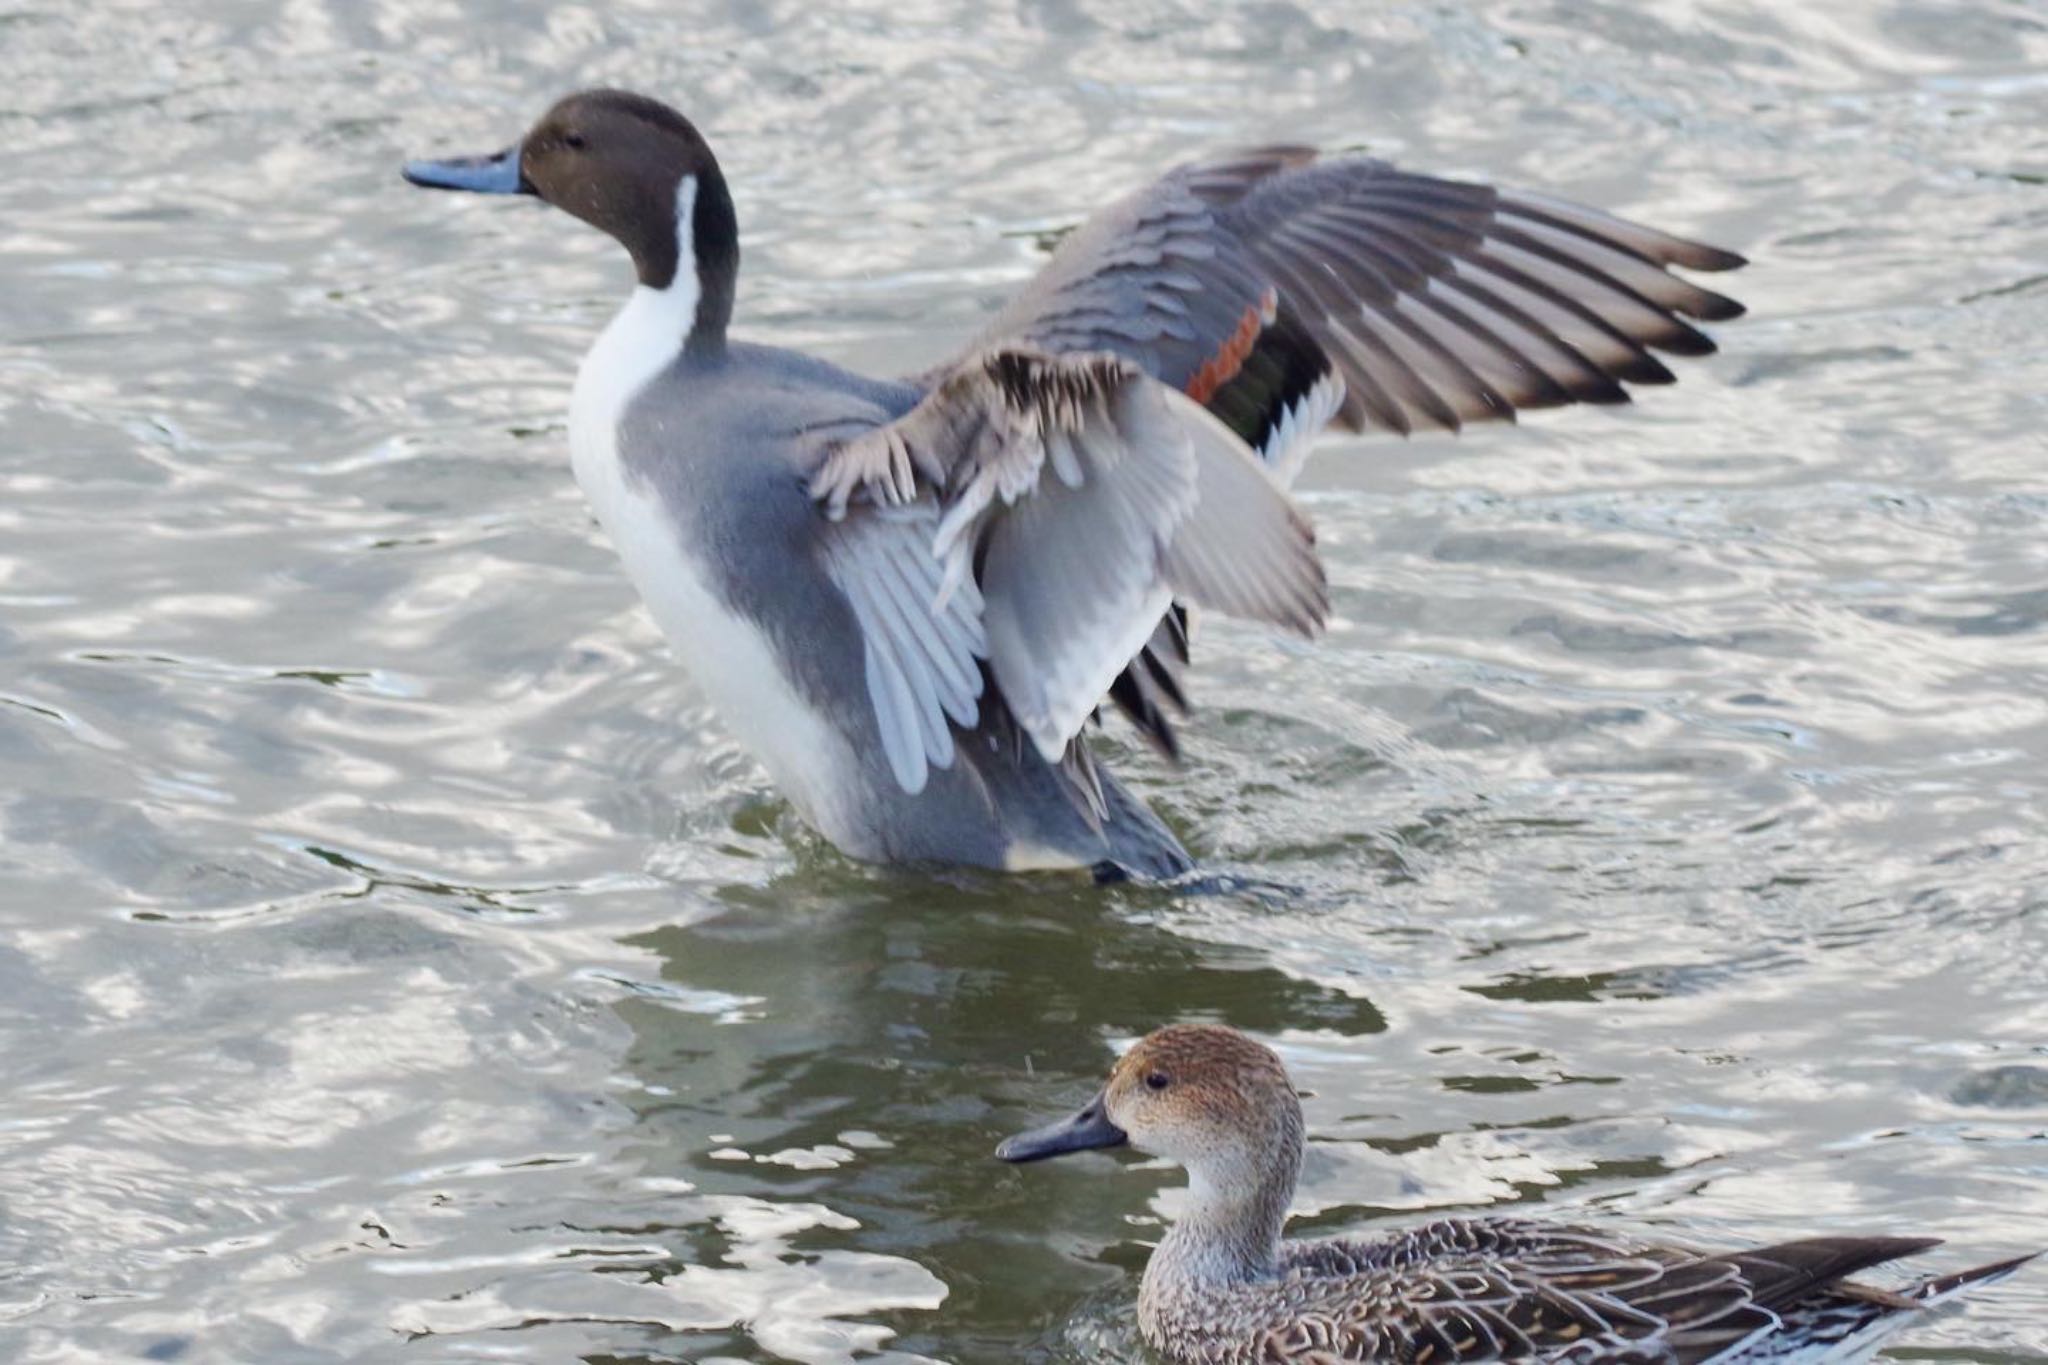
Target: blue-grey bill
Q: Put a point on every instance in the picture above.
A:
(1081, 1131)
(494, 174)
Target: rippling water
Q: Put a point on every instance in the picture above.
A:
(398, 965)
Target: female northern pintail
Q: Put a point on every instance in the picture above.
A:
(1224, 1289)
(908, 597)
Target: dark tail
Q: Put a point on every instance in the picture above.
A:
(1783, 1274)
(1140, 844)
(1942, 1287)
(1827, 1313)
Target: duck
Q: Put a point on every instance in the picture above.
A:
(1224, 1288)
(909, 598)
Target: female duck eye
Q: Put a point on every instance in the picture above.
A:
(573, 141)
(1158, 1080)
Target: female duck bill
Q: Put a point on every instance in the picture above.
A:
(1084, 1130)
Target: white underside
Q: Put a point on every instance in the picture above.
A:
(1022, 857)
(1287, 444)
(730, 659)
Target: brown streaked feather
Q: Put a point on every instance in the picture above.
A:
(1461, 1291)
(1780, 1274)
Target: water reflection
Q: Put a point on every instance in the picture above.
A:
(396, 963)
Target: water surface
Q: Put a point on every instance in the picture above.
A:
(396, 964)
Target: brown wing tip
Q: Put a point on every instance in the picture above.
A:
(1700, 256)
(1642, 368)
(1943, 1285)
(1599, 390)
(1651, 244)
(1675, 338)
(1712, 307)
(1788, 1271)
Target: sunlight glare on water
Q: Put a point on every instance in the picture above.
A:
(397, 963)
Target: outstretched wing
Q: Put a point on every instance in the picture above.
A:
(1077, 497)
(1468, 1290)
(1285, 292)
(1434, 302)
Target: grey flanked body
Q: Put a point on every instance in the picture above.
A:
(909, 599)
(726, 446)
(1224, 1288)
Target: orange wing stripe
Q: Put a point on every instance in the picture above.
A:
(1221, 368)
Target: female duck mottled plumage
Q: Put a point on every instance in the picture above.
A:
(908, 597)
(1223, 1288)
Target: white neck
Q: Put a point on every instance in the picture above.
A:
(643, 339)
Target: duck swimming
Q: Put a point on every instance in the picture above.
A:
(1224, 1289)
(907, 597)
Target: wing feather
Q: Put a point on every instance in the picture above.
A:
(920, 655)
(1065, 501)
(900, 637)
(1587, 294)
(1283, 291)
(1465, 1290)
(895, 708)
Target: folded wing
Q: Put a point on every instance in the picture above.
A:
(1463, 1291)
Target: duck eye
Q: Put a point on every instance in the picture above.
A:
(573, 141)
(1157, 1080)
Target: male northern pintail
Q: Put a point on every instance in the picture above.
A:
(908, 596)
(1224, 1289)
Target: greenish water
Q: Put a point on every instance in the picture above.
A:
(396, 964)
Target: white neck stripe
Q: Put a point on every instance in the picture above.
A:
(642, 341)
(686, 238)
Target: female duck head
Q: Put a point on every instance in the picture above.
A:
(1207, 1097)
(635, 168)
